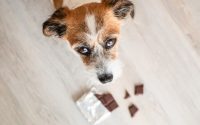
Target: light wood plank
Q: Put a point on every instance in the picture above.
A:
(40, 78)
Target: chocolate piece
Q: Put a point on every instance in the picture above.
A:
(127, 95)
(112, 106)
(105, 98)
(132, 109)
(139, 89)
(98, 96)
(108, 101)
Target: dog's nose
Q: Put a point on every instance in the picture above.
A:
(105, 78)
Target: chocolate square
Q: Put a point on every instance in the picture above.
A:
(112, 106)
(139, 89)
(127, 95)
(108, 98)
(132, 109)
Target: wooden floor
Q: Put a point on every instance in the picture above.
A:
(40, 78)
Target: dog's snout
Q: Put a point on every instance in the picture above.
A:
(105, 78)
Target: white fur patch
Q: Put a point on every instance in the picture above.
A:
(114, 67)
(91, 23)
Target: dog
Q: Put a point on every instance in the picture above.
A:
(92, 31)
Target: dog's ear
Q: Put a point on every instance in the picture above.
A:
(56, 24)
(121, 8)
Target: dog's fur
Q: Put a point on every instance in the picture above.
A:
(92, 30)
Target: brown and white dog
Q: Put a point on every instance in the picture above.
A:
(93, 31)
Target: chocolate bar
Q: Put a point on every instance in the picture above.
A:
(96, 107)
(108, 101)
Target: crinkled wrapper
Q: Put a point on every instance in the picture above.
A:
(93, 110)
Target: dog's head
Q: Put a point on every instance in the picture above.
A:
(92, 31)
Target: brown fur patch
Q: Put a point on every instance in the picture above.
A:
(58, 3)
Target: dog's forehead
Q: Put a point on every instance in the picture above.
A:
(87, 22)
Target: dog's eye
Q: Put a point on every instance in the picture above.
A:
(84, 51)
(110, 43)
